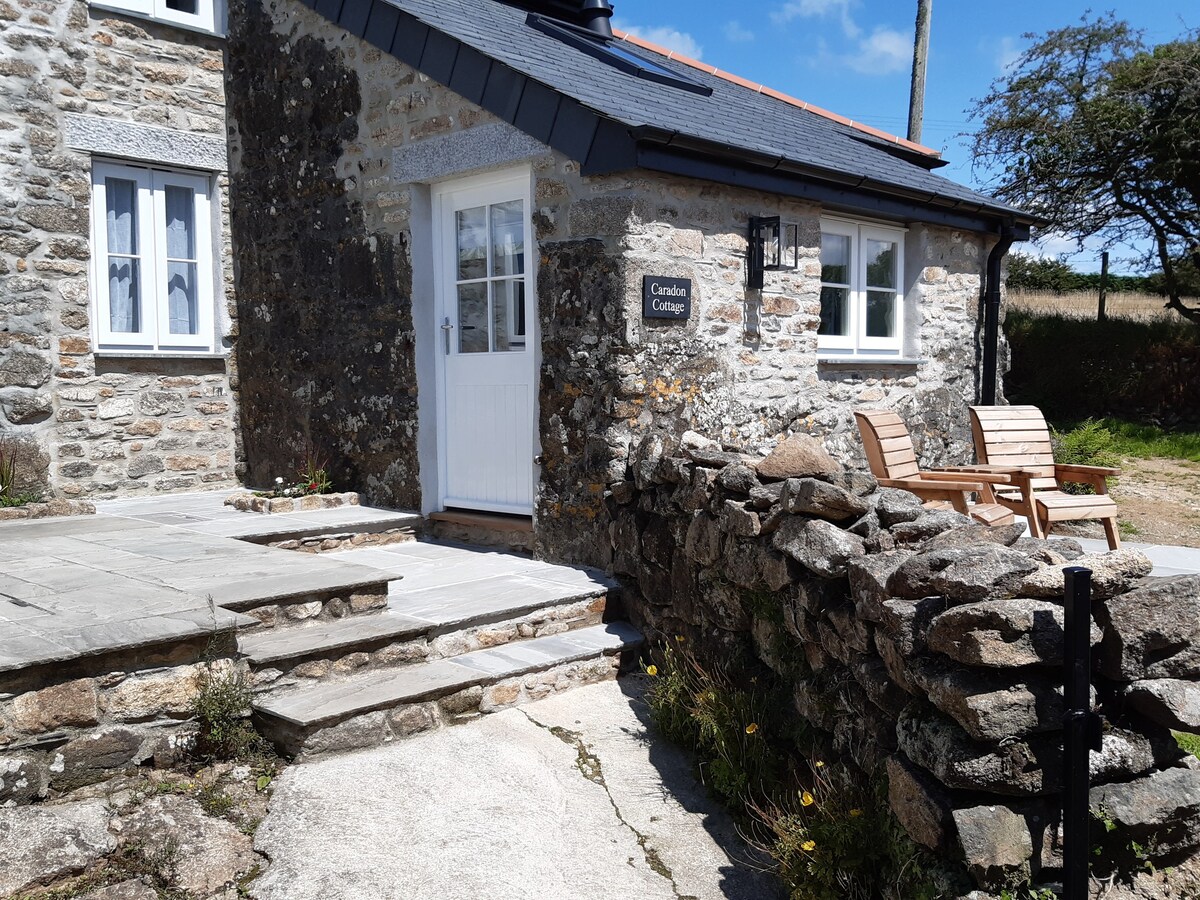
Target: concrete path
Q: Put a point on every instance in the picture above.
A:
(569, 798)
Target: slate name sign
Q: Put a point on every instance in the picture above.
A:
(666, 298)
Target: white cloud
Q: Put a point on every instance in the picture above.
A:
(735, 33)
(1007, 52)
(884, 52)
(671, 38)
(818, 9)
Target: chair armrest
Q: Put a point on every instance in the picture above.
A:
(951, 473)
(1102, 471)
(916, 485)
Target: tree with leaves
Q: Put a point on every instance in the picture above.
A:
(1099, 134)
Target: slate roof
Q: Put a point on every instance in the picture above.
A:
(772, 143)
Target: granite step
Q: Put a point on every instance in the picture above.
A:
(430, 623)
(373, 707)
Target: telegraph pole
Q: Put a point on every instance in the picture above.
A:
(916, 100)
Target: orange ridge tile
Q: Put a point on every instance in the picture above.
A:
(774, 94)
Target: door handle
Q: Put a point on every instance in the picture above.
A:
(446, 329)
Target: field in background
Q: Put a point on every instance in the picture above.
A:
(1083, 305)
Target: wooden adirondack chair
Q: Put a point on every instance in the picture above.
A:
(893, 461)
(1016, 440)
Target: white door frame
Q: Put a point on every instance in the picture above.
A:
(518, 182)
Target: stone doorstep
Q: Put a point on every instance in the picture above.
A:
(326, 640)
(274, 529)
(307, 709)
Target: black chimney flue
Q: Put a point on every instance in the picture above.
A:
(595, 15)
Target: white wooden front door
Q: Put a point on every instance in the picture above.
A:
(486, 341)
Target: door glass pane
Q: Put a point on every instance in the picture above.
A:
(121, 198)
(835, 258)
(473, 318)
(508, 315)
(124, 305)
(471, 227)
(881, 264)
(508, 238)
(181, 223)
(881, 314)
(181, 297)
(835, 311)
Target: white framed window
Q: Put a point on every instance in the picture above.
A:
(152, 260)
(199, 15)
(862, 298)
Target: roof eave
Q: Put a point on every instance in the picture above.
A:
(668, 151)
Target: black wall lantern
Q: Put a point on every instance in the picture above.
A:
(773, 245)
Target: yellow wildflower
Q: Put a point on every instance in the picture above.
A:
(751, 728)
(651, 671)
(820, 764)
(679, 637)
(807, 799)
(855, 813)
(809, 846)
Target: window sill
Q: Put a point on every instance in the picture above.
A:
(873, 361)
(155, 354)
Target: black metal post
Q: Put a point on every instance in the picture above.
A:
(1077, 670)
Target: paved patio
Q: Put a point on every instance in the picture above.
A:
(79, 586)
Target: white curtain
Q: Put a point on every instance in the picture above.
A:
(123, 307)
(181, 266)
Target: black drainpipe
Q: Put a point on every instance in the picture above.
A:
(595, 15)
(991, 315)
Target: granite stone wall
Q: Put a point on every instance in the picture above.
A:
(74, 83)
(927, 649)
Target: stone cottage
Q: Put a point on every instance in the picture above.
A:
(116, 302)
(467, 253)
(484, 246)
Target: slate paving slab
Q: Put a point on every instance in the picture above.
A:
(86, 585)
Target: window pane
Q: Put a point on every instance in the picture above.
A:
(124, 305)
(184, 6)
(181, 223)
(881, 314)
(121, 215)
(508, 314)
(508, 238)
(835, 311)
(472, 243)
(473, 318)
(181, 297)
(881, 264)
(835, 258)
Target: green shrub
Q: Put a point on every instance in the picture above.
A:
(1077, 368)
(1088, 444)
(221, 709)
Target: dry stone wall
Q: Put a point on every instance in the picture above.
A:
(928, 648)
(92, 426)
(71, 724)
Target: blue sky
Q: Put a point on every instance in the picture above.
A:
(855, 56)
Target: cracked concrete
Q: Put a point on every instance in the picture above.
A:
(570, 797)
